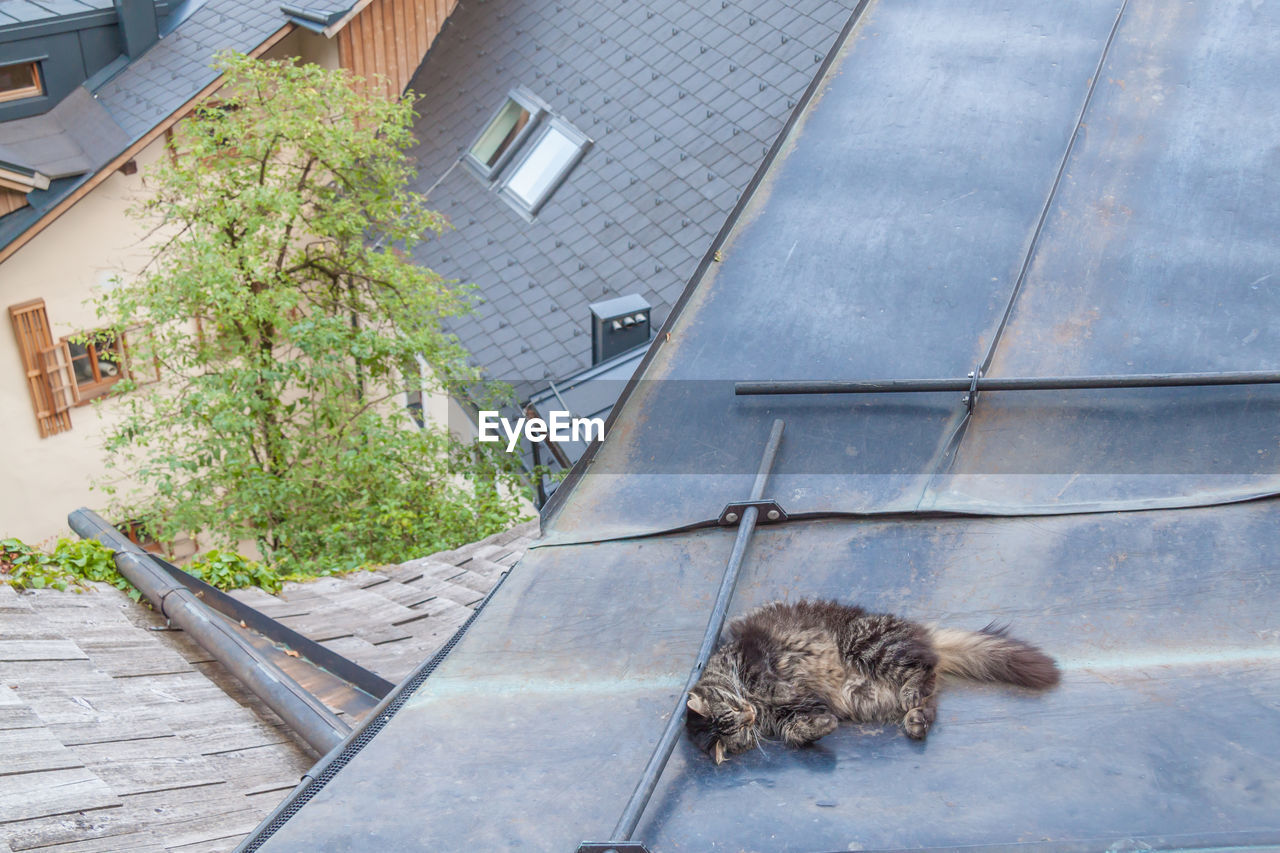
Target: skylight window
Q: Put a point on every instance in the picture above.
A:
(502, 136)
(20, 80)
(545, 163)
(525, 151)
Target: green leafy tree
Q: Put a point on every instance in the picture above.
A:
(286, 321)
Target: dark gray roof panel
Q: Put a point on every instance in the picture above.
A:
(71, 139)
(682, 100)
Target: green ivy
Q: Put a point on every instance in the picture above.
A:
(69, 566)
(73, 562)
(229, 570)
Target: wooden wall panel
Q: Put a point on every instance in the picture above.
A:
(11, 201)
(390, 38)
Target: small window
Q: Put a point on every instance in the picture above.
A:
(97, 360)
(544, 165)
(20, 80)
(502, 136)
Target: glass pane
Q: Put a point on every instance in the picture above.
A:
(108, 354)
(500, 133)
(15, 77)
(549, 158)
(80, 362)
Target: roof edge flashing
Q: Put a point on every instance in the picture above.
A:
(15, 176)
(311, 19)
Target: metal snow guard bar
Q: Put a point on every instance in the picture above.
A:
(984, 383)
(186, 601)
(745, 514)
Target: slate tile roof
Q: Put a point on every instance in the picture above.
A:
(682, 100)
(116, 734)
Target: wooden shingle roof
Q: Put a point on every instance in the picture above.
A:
(117, 733)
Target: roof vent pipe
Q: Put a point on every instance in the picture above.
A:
(138, 27)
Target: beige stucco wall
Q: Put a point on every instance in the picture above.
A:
(307, 47)
(75, 256)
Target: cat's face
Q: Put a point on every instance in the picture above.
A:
(721, 725)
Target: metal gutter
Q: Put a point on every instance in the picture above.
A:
(345, 669)
(305, 714)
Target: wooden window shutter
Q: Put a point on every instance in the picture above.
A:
(61, 380)
(31, 327)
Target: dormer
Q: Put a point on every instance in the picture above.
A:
(48, 48)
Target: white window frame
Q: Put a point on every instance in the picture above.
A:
(530, 207)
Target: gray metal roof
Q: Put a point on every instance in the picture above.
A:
(68, 140)
(1069, 187)
(682, 100)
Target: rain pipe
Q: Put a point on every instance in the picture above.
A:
(303, 713)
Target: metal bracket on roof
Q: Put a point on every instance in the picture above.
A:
(612, 847)
(971, 399)
(769, 512)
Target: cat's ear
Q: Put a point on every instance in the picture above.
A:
(697, 704)
(719, 753)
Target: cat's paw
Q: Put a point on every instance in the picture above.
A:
(825, 724)
(916, 724)
(806, 730)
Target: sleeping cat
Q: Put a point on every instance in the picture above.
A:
(794, 670)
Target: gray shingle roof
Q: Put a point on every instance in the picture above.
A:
(682, 100)
(68, 140)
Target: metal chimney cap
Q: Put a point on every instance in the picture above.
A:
(629, 304)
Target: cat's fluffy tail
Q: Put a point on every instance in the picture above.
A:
(992, 655)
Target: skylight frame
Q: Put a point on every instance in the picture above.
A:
(551, 123)
(537, 111)
(33, 90)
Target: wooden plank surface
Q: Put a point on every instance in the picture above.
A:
(149, 765)
(53, 792)
(15, 713)
(93, 831)
(198, 817)
(40, 650)
(261, 767)
(33, 750)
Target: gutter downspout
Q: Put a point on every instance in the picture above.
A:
(317, 725)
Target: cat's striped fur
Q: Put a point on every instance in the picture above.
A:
(794, 670)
